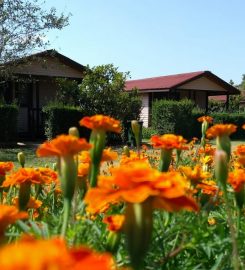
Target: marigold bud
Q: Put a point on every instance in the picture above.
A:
(21, 159)
(135, 127)
(221, 167)
(126, 151)
(204, 128)
(136, 130)
(68, 176)
(240, 196)
(113, 241)
(74, 132)
(224, 143)
(165, 159)
(97, 139)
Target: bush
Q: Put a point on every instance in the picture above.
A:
(147, 132)
(216, 106)
(170, 116)
(195, 126)
(102, 92)
(231, 118)
(59, 118)
(8, 122)
(68, 92)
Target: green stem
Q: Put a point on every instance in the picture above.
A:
(94, 172)
(24, 195)
(235, 254)
(66, 215)
(138, 229)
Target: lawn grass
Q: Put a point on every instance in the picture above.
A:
(10, 154)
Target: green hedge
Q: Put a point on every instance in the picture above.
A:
(59, 118)
(231, 118)
(180, 117)
(8, 122)
(170, 116)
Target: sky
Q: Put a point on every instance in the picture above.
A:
(154, 37)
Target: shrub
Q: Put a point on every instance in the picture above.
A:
(68, 92)
(102, 92)
(216, 106)
(147, 132)
(195, 126)
(59, 118)
(8, 122)
(170, 116)
(231, 118)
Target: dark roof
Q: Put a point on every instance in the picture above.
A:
(174, 81)
(51, 53)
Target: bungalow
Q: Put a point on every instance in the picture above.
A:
(197, 86)
(32, 84)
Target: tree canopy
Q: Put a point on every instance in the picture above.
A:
(23, 27)
(102, 92)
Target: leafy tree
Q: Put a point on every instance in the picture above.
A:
(68, 92)
(101, 92)
(23, 27)
(242, 84)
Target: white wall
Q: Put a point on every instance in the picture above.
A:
(144, 115)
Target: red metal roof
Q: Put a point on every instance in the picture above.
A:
(162, 82)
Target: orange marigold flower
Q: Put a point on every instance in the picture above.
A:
(5, 167)
(168, 141)
(206, 118)
(49, 174)
(132, 157)
(209, 187)
(56, 256)
(63, 145)
(237, 179)
(137, 181)
(194, 174)
(243, 126)
(240, 150)
(84, 157)
(92, 260)
(208, 150)
(33, 203)
(83, 169)
(221, 130)
(101, 122)
(27, 175)
(9, 214)
(109, 155)
(115, 222)
(241, 160)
